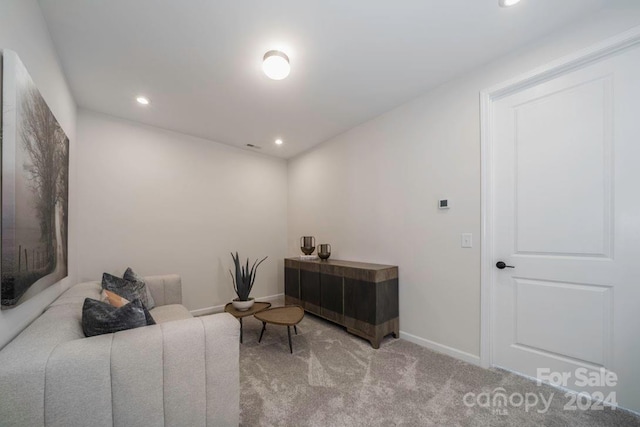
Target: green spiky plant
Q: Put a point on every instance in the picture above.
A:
(245, 277)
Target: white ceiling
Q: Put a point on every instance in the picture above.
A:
(199, 61)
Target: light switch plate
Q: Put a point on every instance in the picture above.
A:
(467, 240)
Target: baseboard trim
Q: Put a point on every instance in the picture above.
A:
(220, 308)
(440, 348)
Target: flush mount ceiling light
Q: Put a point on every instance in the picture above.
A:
(142, 100)
(508, 3)
(278, 141)
(275, 64)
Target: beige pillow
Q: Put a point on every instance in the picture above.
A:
(114, 299)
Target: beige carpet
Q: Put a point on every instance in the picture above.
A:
(335, 379)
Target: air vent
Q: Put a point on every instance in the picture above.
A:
(254, 146)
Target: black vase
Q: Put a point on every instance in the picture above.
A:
(307, 244)
(324, 251)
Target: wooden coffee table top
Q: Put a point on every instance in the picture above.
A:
(255, 308)
(286, 316)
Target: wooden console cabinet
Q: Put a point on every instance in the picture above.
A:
(362, 297)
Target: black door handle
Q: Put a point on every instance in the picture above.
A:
(501, 265)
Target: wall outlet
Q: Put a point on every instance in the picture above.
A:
(467, 240)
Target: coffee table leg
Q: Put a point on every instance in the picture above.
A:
(289, 333)
(295, 328)
(241, 330)
(264, 326)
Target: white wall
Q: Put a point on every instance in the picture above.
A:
(162, 202)
(372, 192)
(23, 30)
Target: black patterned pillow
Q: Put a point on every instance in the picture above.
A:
(147, 316)
(102, 318)
(124, 288)
(131, 276)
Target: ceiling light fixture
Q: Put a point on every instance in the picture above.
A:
(275, 65)
(508, 3)
(278, 141)
(142, 100)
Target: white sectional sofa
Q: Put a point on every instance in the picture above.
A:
(184, 371)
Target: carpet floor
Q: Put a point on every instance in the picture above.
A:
(335, 379)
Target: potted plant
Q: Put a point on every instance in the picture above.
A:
(243, 282)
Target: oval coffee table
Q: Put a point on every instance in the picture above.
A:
(288, 316)
(256, 307)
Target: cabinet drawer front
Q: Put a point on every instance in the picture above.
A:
(360, 300)
(331, 296)
(292, 282)
(310, 287)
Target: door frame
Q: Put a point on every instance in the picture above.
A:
(567, 64)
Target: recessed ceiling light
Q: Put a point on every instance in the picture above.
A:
(508, 3)
(278, 141)
(275, 65)
(142, 100)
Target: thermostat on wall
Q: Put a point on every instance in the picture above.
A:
(444, 204)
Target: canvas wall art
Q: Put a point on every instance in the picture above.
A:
(35, 188)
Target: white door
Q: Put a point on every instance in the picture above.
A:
(566, 216)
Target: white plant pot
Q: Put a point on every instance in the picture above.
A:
(242, 305)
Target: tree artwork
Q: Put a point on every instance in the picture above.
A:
(35, 188)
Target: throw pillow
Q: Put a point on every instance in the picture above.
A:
(124, 288)
(102, 318)
(114, 299)
(131, 276)
(147, 316)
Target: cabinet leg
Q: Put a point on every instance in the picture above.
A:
(241, 330)
(396, 327)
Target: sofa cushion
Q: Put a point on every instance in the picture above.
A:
(74, 297)
(131, 276)
(23, 362)
(168, 313)
(102, 318)
(125, 288)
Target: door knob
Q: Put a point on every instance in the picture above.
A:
(501, 265)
